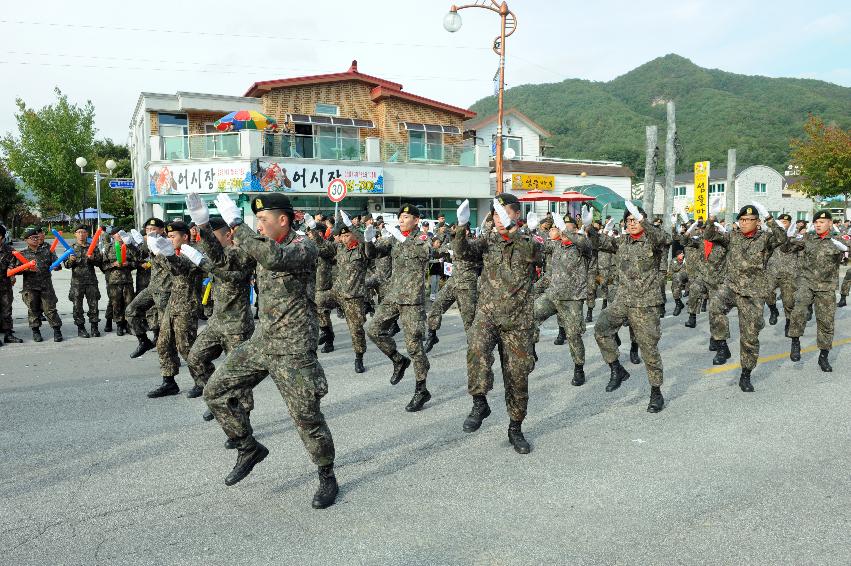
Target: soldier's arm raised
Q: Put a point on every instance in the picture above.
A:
(272, 256)
(776, 234)
(212, 248)
(465, 247)
(602, 242)
(712, 234)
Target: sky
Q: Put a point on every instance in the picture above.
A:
(109, 52)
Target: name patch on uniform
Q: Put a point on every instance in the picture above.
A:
(538, 239)
(423, 237)
(298, 239)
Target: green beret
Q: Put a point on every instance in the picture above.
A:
(81, 227)
(506, 199)
(272, 201)
(823, 214)
(748, 210)
(217, 223)
(30, 231)
(177, 226)
(155, 222)
(785, 217)
(409, 209)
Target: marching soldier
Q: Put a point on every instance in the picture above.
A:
(712, 262)
(679, 282)
(146, 309)
(118, 272)
(843, 292)
(7, 260)
(592, 281)
(37, 292)
(324, 280)
(783, 270)
(84, 282)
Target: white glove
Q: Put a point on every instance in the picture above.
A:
(369, 234)
(674, 217)
(394, 231)
(842, 247)
(137, 237)
(311, 223)
(503, 214)
(163, 247)
(684, 216)
(811, 227)
(464, 213)
(532, 220)
(152, 243)
(763, 212)
(558, 221)
(125, 237)
(790, 233)
(587, 216)
(346, 220)
(720, 227)
(228, 209)
(198, 211)
(191, 254)
(633, 210)
(691, 228)
(609, 225)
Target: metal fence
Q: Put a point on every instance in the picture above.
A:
(200, 146)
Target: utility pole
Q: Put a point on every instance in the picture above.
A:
(670, 167)
(730, 189)
(650, 161)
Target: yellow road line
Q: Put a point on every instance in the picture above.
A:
(774, 358)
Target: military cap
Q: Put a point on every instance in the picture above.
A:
(192, 225)
(81, 227)
(785, 217)
(409, 209)
(823, 214)
(343, 229)
(506, 199)
(627, 213)
(153, 221)
(30, 231)
(272, 201)
(217, 223)
(379, 218)
(40, 229)
(748, 210)
(177, 226)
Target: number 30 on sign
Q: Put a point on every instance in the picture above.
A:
(337, 190)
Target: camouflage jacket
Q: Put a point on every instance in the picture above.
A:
(352, 263)
(784, 264)
(83, 267)
(143, 266)
(325, 263)
(508, 269)
(286, 279)
(7, 260)
(160, 275)
(232, 270)
(606, 265)
(636, 263)
(747, 257)
(184, 285)
(675, 267)
(711, 269)
(410, 261)
(115, 274)
(466, 270)
(41, 278)
(570, 258)
(819, 261)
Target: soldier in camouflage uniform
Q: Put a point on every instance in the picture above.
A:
(461, 288)
(506, 301)
(637, 300)
(592, 282)
(37, 292)
(679, 282)
(119, 284)
(783, 271)
(283, 344)
(570, 255)
(324, 280)
(745, 285)
(145, 310)
(7, 290)
(843, 292)
(404, 300)
(179, 323)
(820, 259)
(712, 268)
(84, 282)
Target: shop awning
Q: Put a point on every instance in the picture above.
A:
(417, 127)
(329, 121)
(604, 197)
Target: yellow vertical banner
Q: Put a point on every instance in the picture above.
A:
(701, 190)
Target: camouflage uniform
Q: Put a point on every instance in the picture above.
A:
(378, 277)
(846, 284)
(283, 345)
(37, 291)
(745, 285)
(231, 322)
(119, 283)
(179, 322)
(143, 267)
(679, 279)
(783, 271)
(503, 319)
(592, 279)
(324, 279)
(84, 283)
(146, 310)
(404, 299)
(820, 261)
(636, 300)
(605, 274)
(569, 258)
(711, 269)
(461, 287)
(7, 260)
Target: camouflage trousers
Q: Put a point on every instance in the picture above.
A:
(787, 288)
(40, 301)
(679, 282)
(592, 287)
(448, 294)
(120, 296)
(645, 328)
(6, 297)
(700, 289)
(411, 320)
(353, 310)
(751, 321)
(846, 284)
(516, 348)
(143, 312)
(824, 305)
(323, 315)
(210, 343)
(376, 284)
(541, 285)
(91, 294)
(663, 282)
(300, 380)
(177, 334)
(570, 318)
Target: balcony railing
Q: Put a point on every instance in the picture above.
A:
(314, 147)
(200, 146)
(446, 154)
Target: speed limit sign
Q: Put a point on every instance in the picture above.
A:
(337, 190)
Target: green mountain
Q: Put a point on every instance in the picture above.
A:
(716, 110)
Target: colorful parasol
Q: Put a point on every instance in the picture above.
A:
(245, 120)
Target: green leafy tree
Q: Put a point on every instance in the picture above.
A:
(823, 159)
(10, 198)
(117, 202)
(49, 140)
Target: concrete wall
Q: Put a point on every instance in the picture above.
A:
(531, 139)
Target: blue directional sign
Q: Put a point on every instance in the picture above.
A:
(122, 184)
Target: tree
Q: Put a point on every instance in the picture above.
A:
(49, 141)
(823, 160)
(117, 202)
(10, 198)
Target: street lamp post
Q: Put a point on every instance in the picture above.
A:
(111, 165)
(452, 23)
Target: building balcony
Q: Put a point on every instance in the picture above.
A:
(199, 146)
(314, 147)
(442, 154)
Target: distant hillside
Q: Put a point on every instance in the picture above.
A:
(716, 110)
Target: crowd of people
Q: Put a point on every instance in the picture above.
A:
(506, 276)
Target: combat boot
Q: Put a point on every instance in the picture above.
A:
(560, 338)
(786, 330)
(809, 313)
(795, 353)
(823, 363)
(119, 328)
(245, 462)
(323, 335)
(81, 331)
(394, 330)
(400, 364)
(713, 344)
(10, 338)
(516, 438)
(108, 326)
(605, 304)
(692, 321)
(144, 346)
(480, 411)
(657, 402)
(430, 341)
(618, 376)
(326, 494)
(590, 316)
(703, 306)
(359, 363)
(578, 375)
(195, 392)
(57, 334)
(231, 444)
(37, 335)
(328, 347)
(617, 339)
(841, 302)
(633, 353)
(722, 354)
(745, 381)
(208, 415)
(420, 398)
(678, 307)
(774, 313)
(95, 332)
(168, 387)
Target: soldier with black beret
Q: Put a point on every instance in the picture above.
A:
(84, 282)
(37, 291)
(783, 270)
(6, 290)
(146, 309)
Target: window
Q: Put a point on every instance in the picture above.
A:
(515, 143)
(679, 192)
(801, 215)
(774, 213)
(426, 146)
(716, 188)
(336, 142)
(173, 129)
(327, 109)
(759, 187)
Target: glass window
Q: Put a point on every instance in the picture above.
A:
(679, 192)
(336, 142)
(427, 146)
(716, 188)
(801, 215)
(759, 187)
(327, 109)
(173, 129)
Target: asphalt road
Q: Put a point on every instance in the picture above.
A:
(93, 472)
